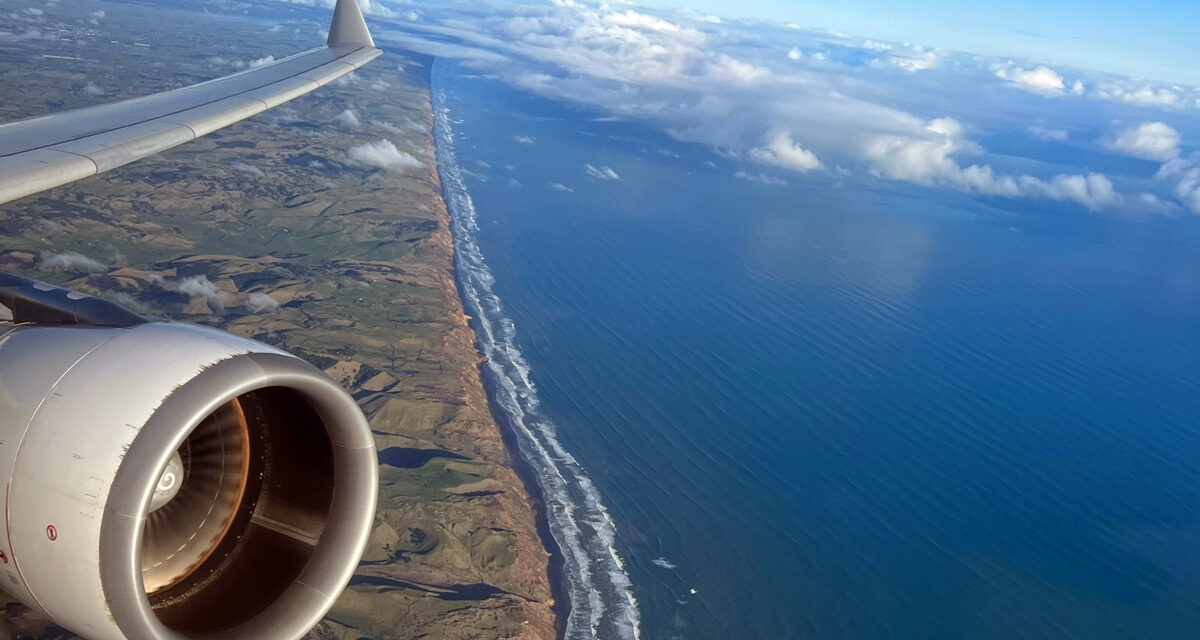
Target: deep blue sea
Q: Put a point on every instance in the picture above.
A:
(854, 409)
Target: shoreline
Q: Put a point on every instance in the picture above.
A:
(562, 597)
(533, 497)
(593, 591)
(561, 606)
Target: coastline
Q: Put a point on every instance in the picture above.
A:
(591, 585)
(560, 595)
(561, 605)
(475, 433)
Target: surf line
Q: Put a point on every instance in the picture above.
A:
(602, 602)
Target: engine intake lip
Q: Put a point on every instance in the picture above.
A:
(337, 550)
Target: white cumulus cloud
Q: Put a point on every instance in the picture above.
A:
(201, 287)
(1149, 141)
(1041, 80)
(261, 303)
(930, 160)
(1142, 94)
(914, 59)
(252, 64)
(71, 261)
(781, 150)
(382, 154)
(1184, 173)
(248, 169)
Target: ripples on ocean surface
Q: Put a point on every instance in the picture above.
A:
(856, 412)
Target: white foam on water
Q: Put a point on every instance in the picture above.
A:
(601, 594)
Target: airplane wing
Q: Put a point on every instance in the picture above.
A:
(46, 152)
(165, 481)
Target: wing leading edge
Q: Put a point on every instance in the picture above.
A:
(50, 151)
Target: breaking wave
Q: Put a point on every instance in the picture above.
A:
(602, 604)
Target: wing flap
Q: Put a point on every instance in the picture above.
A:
(115, 148)
(324, 75)
(217, 115)
(36, 171)
(280, 92)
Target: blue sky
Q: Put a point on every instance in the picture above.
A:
(1153, 40)
(1020, 102)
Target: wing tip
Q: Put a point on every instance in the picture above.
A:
(348, 28)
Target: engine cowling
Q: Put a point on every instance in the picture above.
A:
(168, 481)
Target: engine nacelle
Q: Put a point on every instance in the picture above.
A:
(169, 481)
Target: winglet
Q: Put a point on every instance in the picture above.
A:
(348, 28)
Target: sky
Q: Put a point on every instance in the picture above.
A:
(1155, 40)
(790, 103)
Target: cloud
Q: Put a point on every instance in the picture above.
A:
(1144, 94)
(253, 64)
(261, 303)
(369, 7)
(528, 140)
(201, 287)
(248, 169)
(916, 59)
(382, 154)
(781, 150)
(1048, 134)
(1184, 173)
(28, 34)
(71, 261)
(558, 186)
(1042, 80)
(92, 89)
(929, 160)
(349, 117)
(1149, 141)
(761, 179)
(600, 173)
(99, 15)
(34, 11)
(737, 89)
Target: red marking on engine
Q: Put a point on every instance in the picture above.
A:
(51, 532)
(3, 557)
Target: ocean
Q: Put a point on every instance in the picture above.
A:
(831, 408)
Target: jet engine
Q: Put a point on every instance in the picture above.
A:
(169, 481)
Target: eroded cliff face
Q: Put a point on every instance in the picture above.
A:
(456, 553)
(289, 236)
